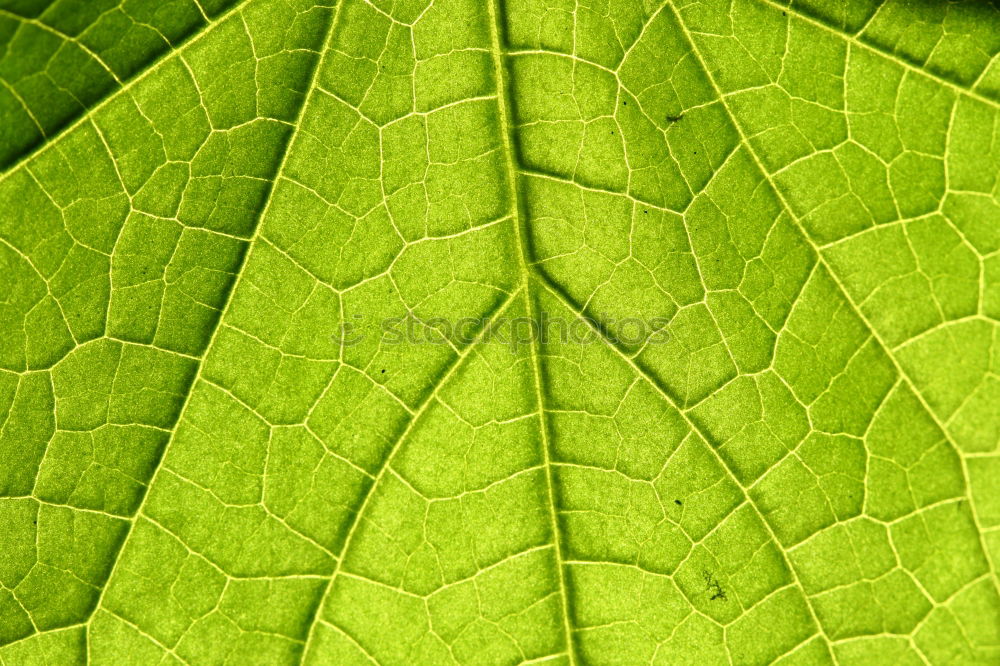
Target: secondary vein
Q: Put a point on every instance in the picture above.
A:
(821, 260)
(229, 299)
(113, 93)
(428, 400)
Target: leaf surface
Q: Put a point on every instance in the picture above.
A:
(270, 391)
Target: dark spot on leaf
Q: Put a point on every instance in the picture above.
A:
(678, 502)
(674, 119)
(383, 371)
(713, 587)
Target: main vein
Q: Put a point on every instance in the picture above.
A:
(520, 225)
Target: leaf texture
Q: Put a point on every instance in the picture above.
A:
(799, 464)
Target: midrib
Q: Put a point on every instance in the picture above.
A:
(519, 212)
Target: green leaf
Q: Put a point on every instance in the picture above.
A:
(507, 331)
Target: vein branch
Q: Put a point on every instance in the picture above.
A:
(691, 424)
(218, 325)
(121, 86)
(873, 48)
(428, 400)
(901, 372)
